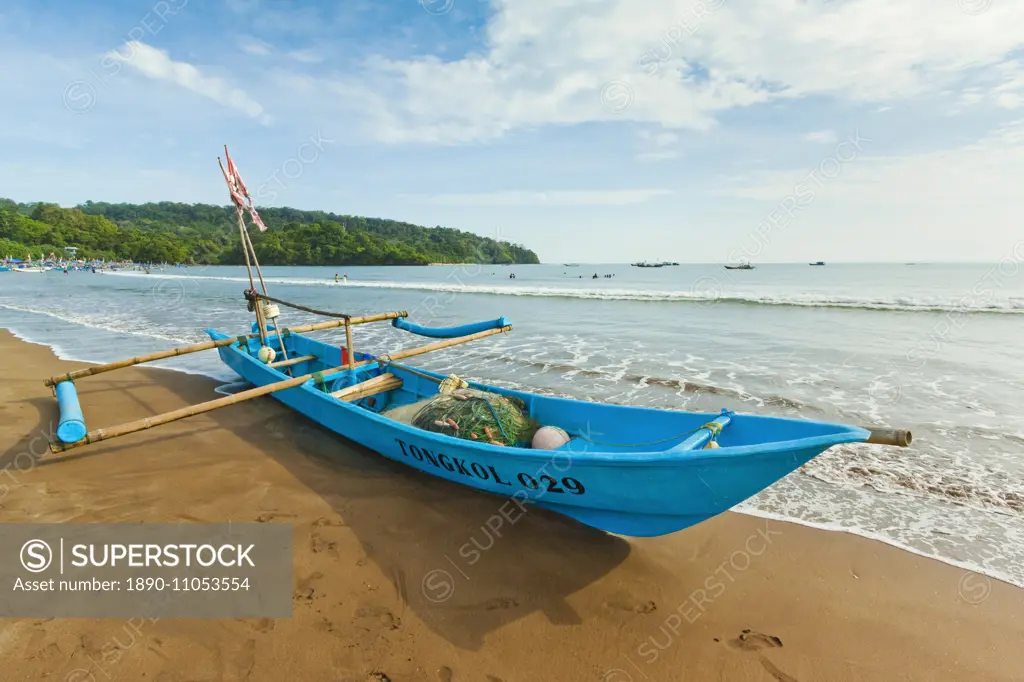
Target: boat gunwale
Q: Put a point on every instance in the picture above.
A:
(751, 452)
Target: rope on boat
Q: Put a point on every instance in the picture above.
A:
(318, 378)
(714, 427)
(410, 370)
(252, 296)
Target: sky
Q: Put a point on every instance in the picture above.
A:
(587, 130)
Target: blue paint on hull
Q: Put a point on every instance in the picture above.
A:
(599, 480)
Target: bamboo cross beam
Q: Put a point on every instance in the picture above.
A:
(438, 345)
(207, 345)
(292, 361)
(378, 384)
(192, 410)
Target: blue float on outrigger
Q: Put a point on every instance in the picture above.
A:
(626, 470)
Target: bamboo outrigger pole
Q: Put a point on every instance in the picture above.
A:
(207, 345)
(899, 437)
(192, 410)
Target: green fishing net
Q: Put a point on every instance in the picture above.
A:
(477, 415)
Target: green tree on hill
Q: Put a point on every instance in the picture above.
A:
(202, 233)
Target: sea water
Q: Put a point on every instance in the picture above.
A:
(934, 348)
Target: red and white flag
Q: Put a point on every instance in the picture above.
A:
(239, 194)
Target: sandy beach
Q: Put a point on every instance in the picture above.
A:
(401, 576)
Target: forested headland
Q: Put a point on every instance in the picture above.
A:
(167, 232)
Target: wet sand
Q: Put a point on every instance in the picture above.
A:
(402, 576)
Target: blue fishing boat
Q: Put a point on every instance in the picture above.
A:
(627, 470)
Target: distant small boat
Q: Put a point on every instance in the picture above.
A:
(31, 270)
(741, 266)
(821, 262)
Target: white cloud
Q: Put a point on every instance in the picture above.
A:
(254, 46)
(599, 197)
(261, 48)
(546, 63)
(652, 157)
(822, 136)
(658, 138)
(1002, 85)
(1009, 100)
(1009, 92)
(242, 6)
(986, 172)
(954, 204)
(158, 65)
(306, 56)
(657, 146)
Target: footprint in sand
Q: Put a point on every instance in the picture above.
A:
(381, 613)
(755, 642)
(323, 625)
(264, 625)
(305, 591)
(318, 544)
(243, 661)
(494, 604)
(633, 606)
(268, 516)
(444, 673)
(498, 603)
(750, 640)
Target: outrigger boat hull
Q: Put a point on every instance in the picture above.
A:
(597, 478)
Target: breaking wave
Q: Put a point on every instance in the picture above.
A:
(706, 292)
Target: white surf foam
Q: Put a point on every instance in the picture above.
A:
(709, 295)
(837, 527)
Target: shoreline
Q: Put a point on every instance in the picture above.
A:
(60, 354)
(735, 598)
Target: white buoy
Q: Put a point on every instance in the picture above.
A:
(549, 438)
(266, 355)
